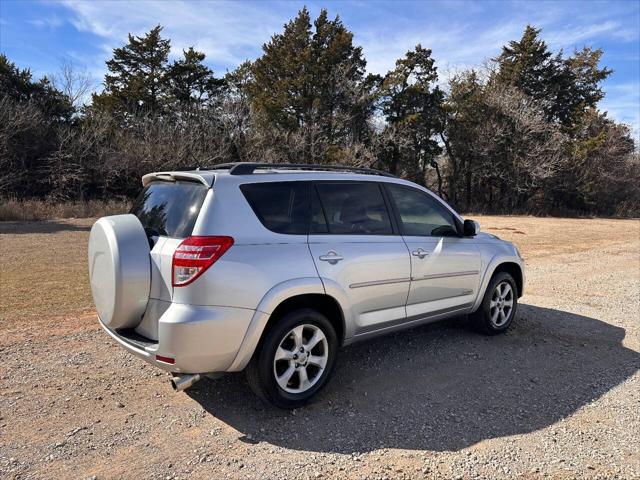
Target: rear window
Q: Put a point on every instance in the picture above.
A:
(282, 207)
(169, 209)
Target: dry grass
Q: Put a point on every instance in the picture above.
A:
(30, 210)
(44, 269)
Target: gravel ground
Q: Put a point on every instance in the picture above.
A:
(557, 396)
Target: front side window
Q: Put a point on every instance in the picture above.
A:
(354, 208)
(169, 208)
(282, 207)
(421, 215)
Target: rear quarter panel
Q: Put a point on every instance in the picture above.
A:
(258, 261)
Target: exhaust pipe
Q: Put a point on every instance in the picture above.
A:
(183, 381)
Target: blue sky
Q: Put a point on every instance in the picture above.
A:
(41, 34)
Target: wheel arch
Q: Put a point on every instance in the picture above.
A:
(320, 302)
(500, 263)
(284, 298)
(514, 270)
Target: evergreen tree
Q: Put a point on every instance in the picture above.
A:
(463, 111)
(191, 83)
(528, 65)
(566, 87)
(137, 81)
(412, 105)
(18, 85)
(310, 83)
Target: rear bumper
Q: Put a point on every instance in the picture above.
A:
(201, 339)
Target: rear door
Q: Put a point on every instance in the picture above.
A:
(445, 267)
(168, 211)
(355, 249)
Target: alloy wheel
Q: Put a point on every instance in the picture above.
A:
(301, 358)
(501, 304)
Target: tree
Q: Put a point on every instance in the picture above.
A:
(308, 84)
(412, 104)
(602, 173)
(75, 83)
(32, 114)
(18, 85)
(192, 84)
(137, 81)
(463, 112)
(567, 86)
(501, 146)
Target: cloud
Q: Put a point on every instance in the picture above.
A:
(228, 33)
(454, 47)
(570, 36)
(51, 22)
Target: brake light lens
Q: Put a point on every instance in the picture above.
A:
(194, 255)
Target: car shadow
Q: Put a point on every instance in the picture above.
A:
(41, 226)
(440, 387)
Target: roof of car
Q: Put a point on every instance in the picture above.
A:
(246, 170)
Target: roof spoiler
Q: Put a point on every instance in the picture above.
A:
(174, 176)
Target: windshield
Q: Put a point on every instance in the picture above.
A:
(169, 209)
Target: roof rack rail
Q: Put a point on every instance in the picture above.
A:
(247, 168)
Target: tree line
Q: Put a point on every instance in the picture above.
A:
(522, 133)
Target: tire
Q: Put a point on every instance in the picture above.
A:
(488, 319)
(294, 331)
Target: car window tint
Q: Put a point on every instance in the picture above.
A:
(354, 208)
(421, 215)
(282, 207)
(318, 220)
(169, 208)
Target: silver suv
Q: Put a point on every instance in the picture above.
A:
(271, 268)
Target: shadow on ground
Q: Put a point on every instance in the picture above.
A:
(440, 387)
(43, 226)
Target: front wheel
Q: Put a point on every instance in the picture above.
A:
(499, 305)
(294, 360)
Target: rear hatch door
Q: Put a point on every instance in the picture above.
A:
(167, 208)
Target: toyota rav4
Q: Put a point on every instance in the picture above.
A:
(272, 268)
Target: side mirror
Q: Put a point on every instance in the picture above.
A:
(471, 228)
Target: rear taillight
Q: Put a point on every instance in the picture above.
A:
(194, 255)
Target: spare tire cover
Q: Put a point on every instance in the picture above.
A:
(119, 270)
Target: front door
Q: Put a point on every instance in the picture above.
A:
(354, 248)
(445, 267)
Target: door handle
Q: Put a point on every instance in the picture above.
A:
(331, 257)
(420, 253)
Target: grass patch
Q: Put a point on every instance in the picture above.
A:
(28, 210)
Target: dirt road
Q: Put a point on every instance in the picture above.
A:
(559, 395)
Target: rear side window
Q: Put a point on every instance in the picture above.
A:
(169, 209)
(354, 208)
(282, 207)
(421, 215)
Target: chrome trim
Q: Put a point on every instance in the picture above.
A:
(379, 282)
(445, 275)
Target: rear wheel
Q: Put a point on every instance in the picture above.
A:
(294, 360)
(499, 305)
